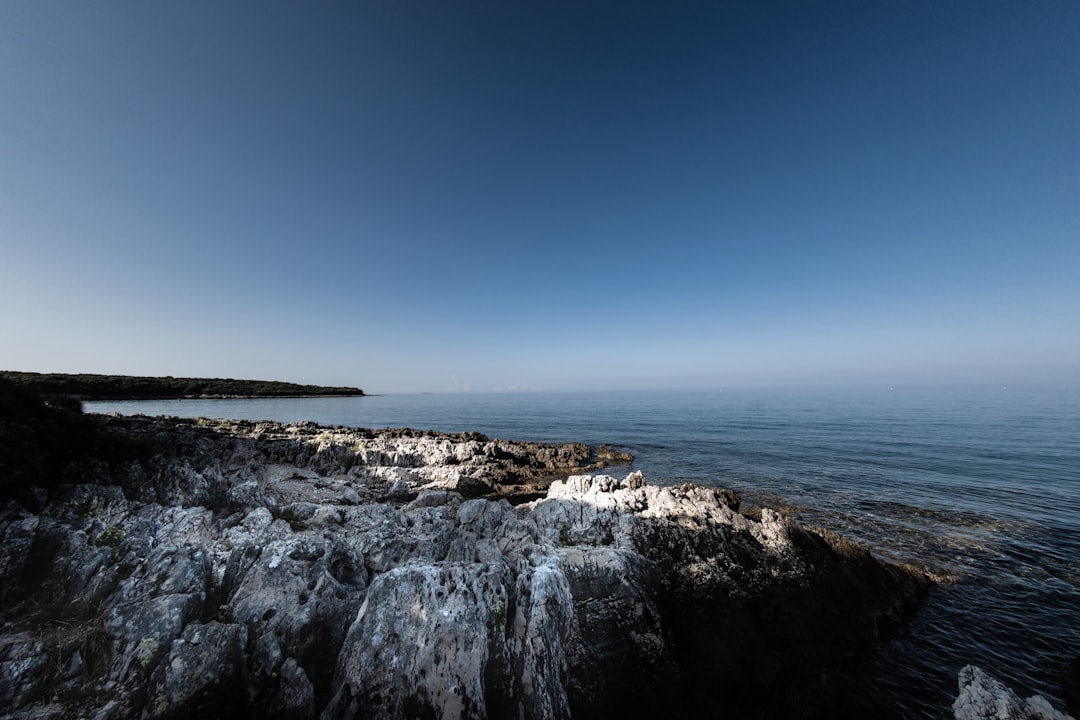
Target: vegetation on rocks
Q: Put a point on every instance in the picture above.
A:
(125, 387)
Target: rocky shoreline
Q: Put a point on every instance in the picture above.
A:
(268, 570)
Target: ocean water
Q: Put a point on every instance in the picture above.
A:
(978, 484)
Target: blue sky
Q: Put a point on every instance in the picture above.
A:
(444, 196)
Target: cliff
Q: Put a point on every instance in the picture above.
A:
(262, 570)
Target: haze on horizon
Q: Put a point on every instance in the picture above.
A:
(410, 196)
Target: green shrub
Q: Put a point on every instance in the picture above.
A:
(111, 536)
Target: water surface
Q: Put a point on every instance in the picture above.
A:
(981, 484)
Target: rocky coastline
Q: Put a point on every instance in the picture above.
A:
(268, 570)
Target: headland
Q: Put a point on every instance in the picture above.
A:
(129, 387)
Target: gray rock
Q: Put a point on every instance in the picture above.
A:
(18, 528)
(421, 644)
(302, 590)
(237, 572)
(295, 696)
(151, 607)
(24, 670)
(201, 672)
(246, 495)
(349, 496)
(983, 697)
(332, 458)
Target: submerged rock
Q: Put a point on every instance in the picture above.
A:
(295, 571)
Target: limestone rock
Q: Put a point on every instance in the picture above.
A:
(704, 610)
(201, 673)
(421, 643)
(983, 697)
(152, 606)
(300, 591)
(262, 570)
(24, 666)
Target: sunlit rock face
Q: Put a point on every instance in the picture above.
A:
(295, 571)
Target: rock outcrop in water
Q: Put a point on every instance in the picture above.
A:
(259, 570)
(983, 697)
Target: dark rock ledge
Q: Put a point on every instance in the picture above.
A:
(263, 570)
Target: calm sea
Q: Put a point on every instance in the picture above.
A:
(981, 484)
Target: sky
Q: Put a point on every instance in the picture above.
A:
(447, 196)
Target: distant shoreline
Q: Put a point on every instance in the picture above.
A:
(131, 387)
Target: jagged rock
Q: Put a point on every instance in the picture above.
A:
(201, 672)
(295, 696)
(983, 697)
(24, 670)
(297, 571)
(152, 606)
(301, 590)
(18, 528)
(332, 458)
(724, 609)
(421, 644)
(611, 455)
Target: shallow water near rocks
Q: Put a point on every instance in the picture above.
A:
(978, 484)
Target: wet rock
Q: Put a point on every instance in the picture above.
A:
(611, 455)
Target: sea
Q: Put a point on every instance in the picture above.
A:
(979, 485)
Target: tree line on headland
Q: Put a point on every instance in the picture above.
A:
(127, 387)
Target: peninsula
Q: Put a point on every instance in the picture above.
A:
(128, 387)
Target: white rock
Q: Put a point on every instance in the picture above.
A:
(983, 697)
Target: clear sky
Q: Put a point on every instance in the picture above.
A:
(436, 196)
